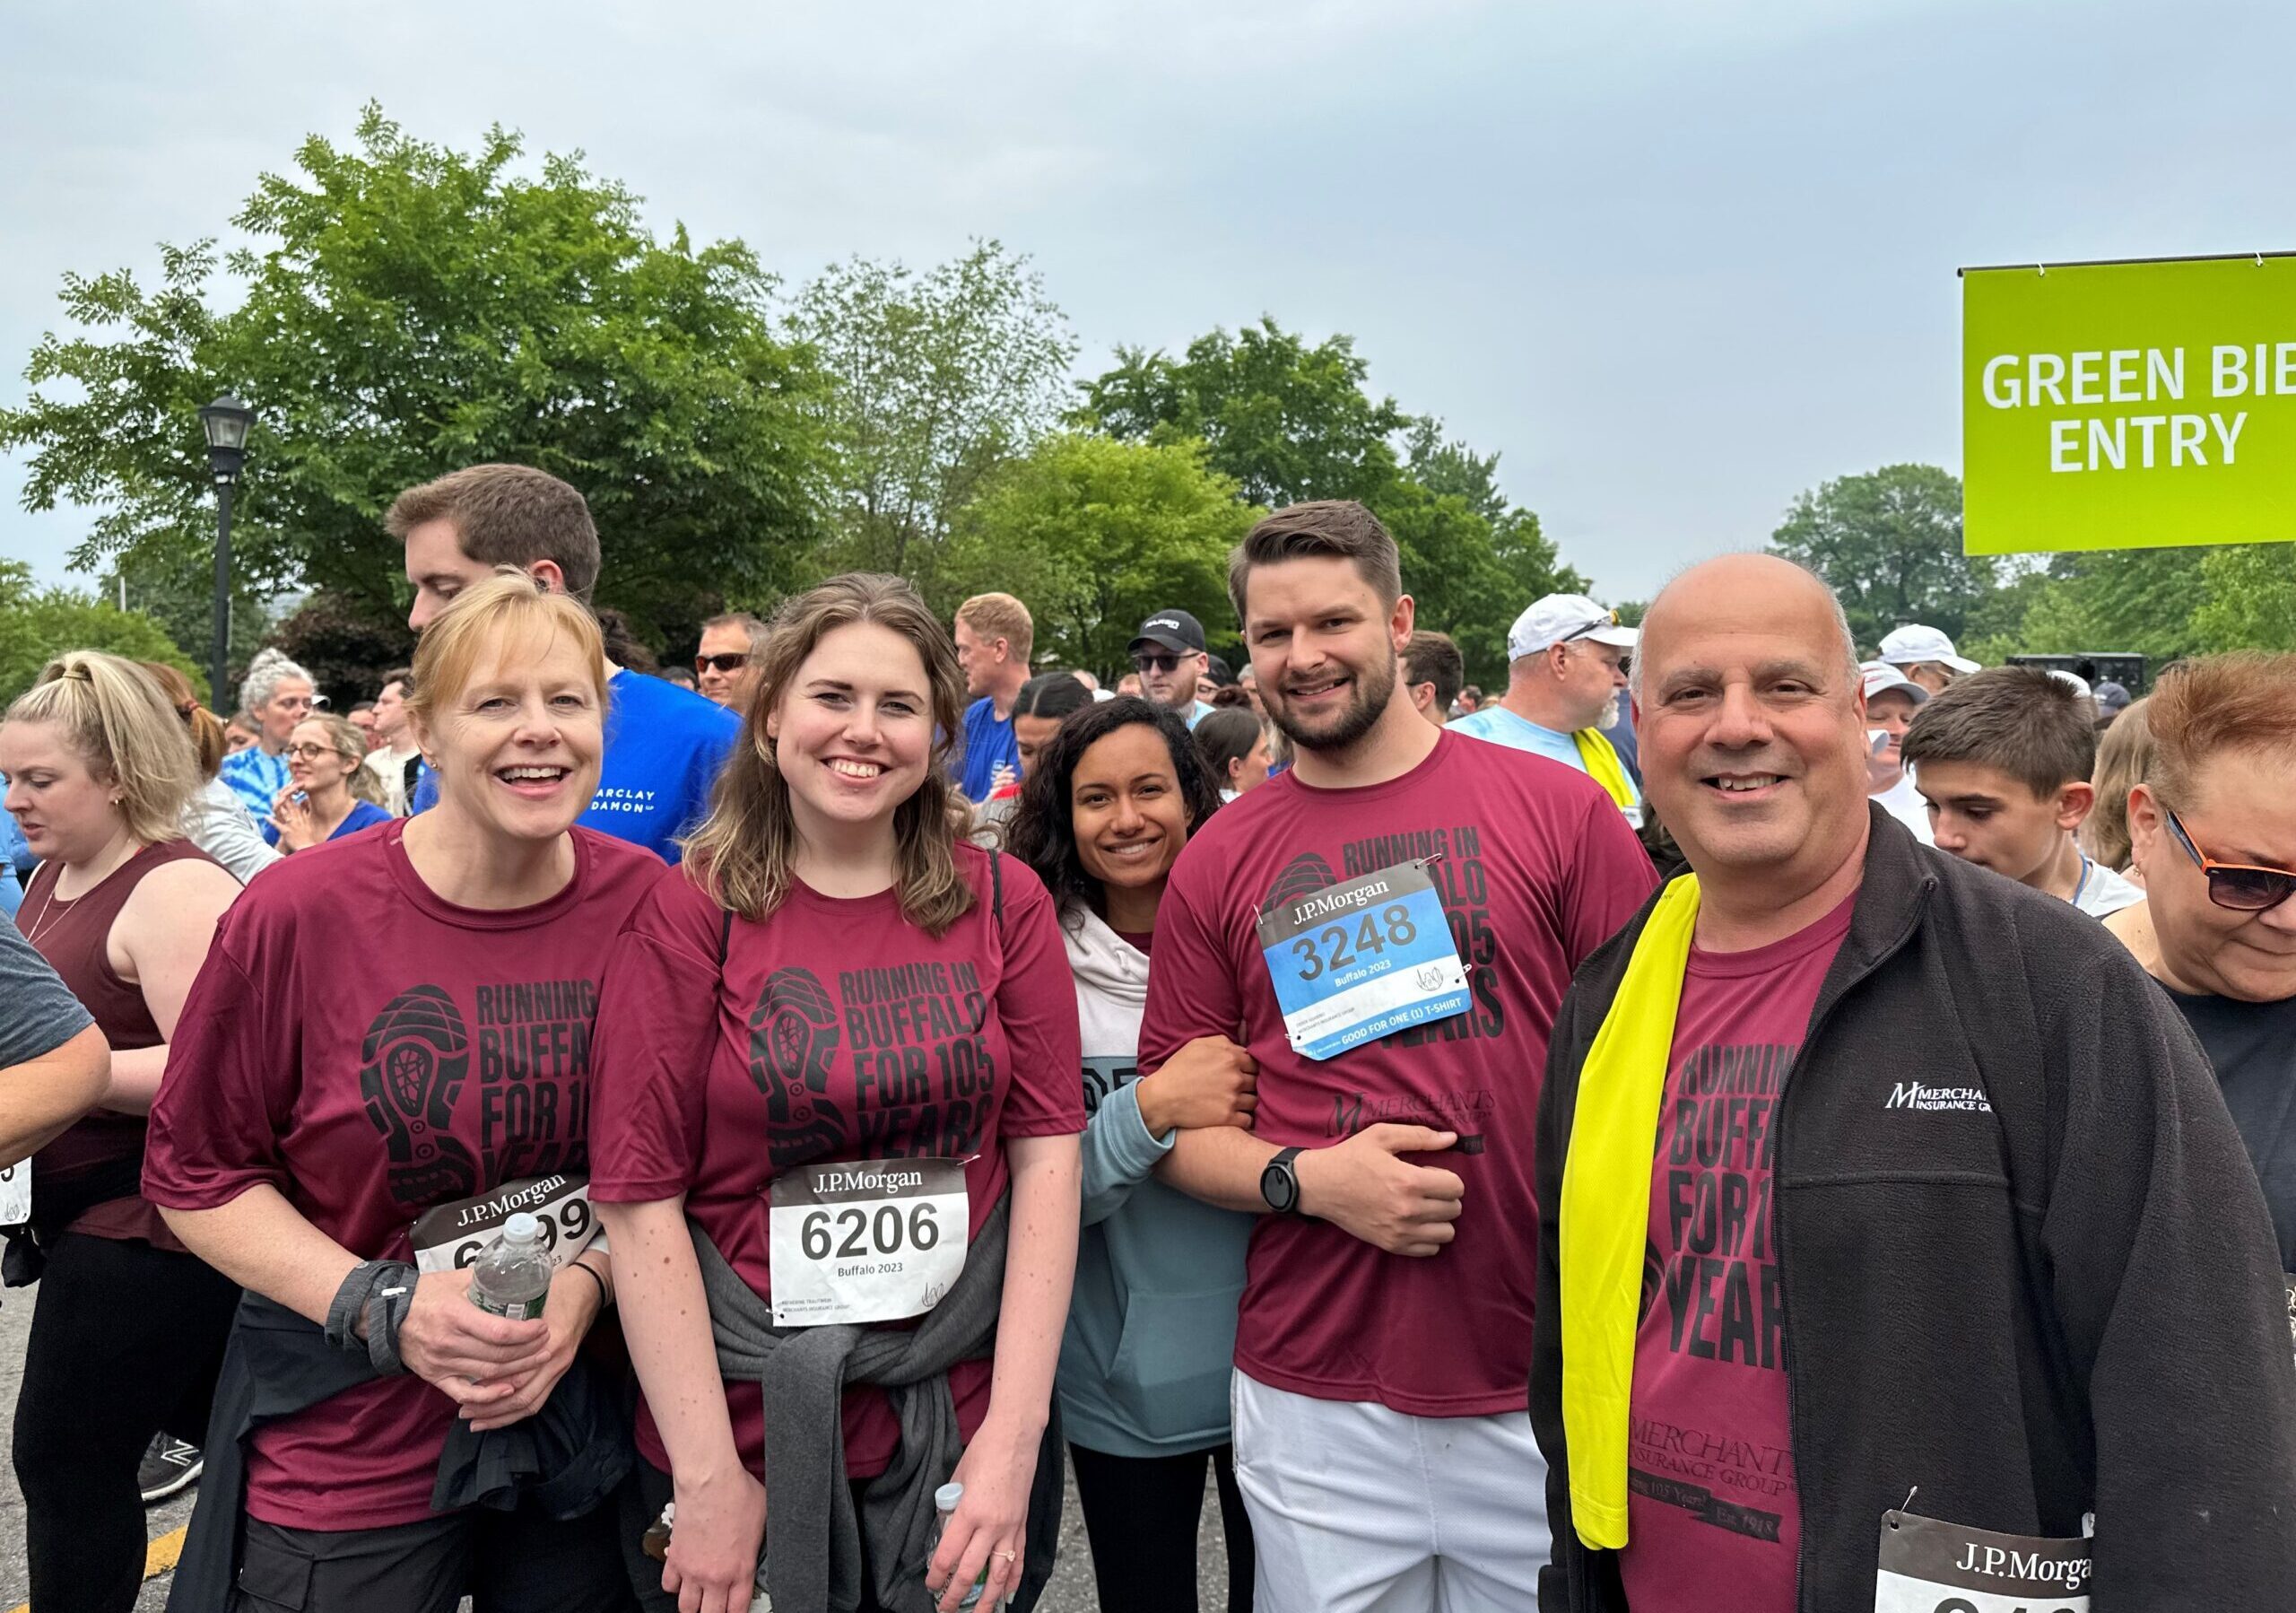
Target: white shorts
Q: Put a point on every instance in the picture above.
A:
(1359, 1509)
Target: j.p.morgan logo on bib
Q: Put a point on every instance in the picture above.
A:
(1913, 1094)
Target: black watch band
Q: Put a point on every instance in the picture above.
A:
(1279, 1183)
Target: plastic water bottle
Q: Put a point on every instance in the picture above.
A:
(512, 1276)
(944, 1502)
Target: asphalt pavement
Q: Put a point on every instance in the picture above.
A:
(1070, 1591)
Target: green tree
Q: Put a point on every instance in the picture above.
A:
(177, 590)
(410, 309)
(345, 650)
(1287, 420)
(2251, 602)
(1890, 542)
(1095, 534)
(935, 379)
(37, 624)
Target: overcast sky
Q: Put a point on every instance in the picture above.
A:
(1675, 260)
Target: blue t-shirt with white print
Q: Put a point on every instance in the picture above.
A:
(663, 747)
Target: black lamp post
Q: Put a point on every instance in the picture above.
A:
(226, 421)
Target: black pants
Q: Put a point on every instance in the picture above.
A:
(643, 1495)
(1140, 1513)
(126, 1341)
(518, 1562)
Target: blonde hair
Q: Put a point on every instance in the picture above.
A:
(2124, 761)
(1001, 616)
(209, 743)
(115, 717)
(744, 852)
(343, 738)
(508, 606)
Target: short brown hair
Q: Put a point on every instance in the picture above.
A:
(510, 604)
(1001, 616)
(2022, 721)
(1432, 658)
(402, 676)
(1331, 528)
(2218, 706)
(507, 514)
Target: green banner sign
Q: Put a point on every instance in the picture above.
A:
(2128, 405)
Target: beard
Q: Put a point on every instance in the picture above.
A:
(1374, 687)
(1613, 709)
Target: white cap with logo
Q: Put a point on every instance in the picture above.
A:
(1910, 645)
(1881, 677)
(1566, 618)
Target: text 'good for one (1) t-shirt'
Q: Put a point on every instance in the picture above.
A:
(1710, 1484)
(372, 1051)
(1534, 868)
(835, 1031)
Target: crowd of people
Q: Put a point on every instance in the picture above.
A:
(1720, 1124)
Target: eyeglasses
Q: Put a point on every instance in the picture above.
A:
(732, 661)
(2244, 887)
(1156, 663)
(309, 752)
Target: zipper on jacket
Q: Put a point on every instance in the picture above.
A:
(1777, 1209)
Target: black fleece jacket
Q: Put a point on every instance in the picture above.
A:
(2070, 1305)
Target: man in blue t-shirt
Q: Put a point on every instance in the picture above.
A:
(1566, 679)
(663, 744)
(995, 634)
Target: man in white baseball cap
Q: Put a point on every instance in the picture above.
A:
(1891, 698)
(1566, 672)
(1926, 656)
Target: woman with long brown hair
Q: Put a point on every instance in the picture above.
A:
(130, 1327)
(213, 819)
(836, 1150)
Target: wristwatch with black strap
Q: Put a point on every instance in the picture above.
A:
(1279, 1183)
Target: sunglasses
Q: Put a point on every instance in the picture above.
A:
(1156, 663)
(731, 661)
(2243, 887)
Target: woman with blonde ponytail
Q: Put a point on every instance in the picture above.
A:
(213, 820)
(130, 1329)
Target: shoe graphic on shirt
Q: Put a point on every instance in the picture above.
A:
(1303, 875)
(415, 1056)
(793, 1035)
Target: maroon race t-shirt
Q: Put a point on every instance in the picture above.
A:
(1710, 1487)
(372, 1051)
(1537, 869)
(834, 1031)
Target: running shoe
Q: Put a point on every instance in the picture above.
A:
(170, 1467)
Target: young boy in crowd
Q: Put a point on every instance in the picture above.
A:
(2003, 757)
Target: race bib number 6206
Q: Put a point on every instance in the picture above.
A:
(870, 1240)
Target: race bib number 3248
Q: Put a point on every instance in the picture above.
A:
(870, 1240)
(1362, 959)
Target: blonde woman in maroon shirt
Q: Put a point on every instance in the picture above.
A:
(130, 1329)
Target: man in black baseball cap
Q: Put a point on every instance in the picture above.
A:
(1168, 653)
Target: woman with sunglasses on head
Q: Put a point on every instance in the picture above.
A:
(2213, 825)
(130, 1327)
(1145, 1366)
(387, 1052)
(836, 1151)
(331, 792)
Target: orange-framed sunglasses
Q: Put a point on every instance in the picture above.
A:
(2244, 887)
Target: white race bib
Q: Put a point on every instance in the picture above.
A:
(872, 1240)
(16, 1194)
(1362, 959)
(454, 1235)
(1927, 1566)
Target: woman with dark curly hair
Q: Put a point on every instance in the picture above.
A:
(1143, 1370)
